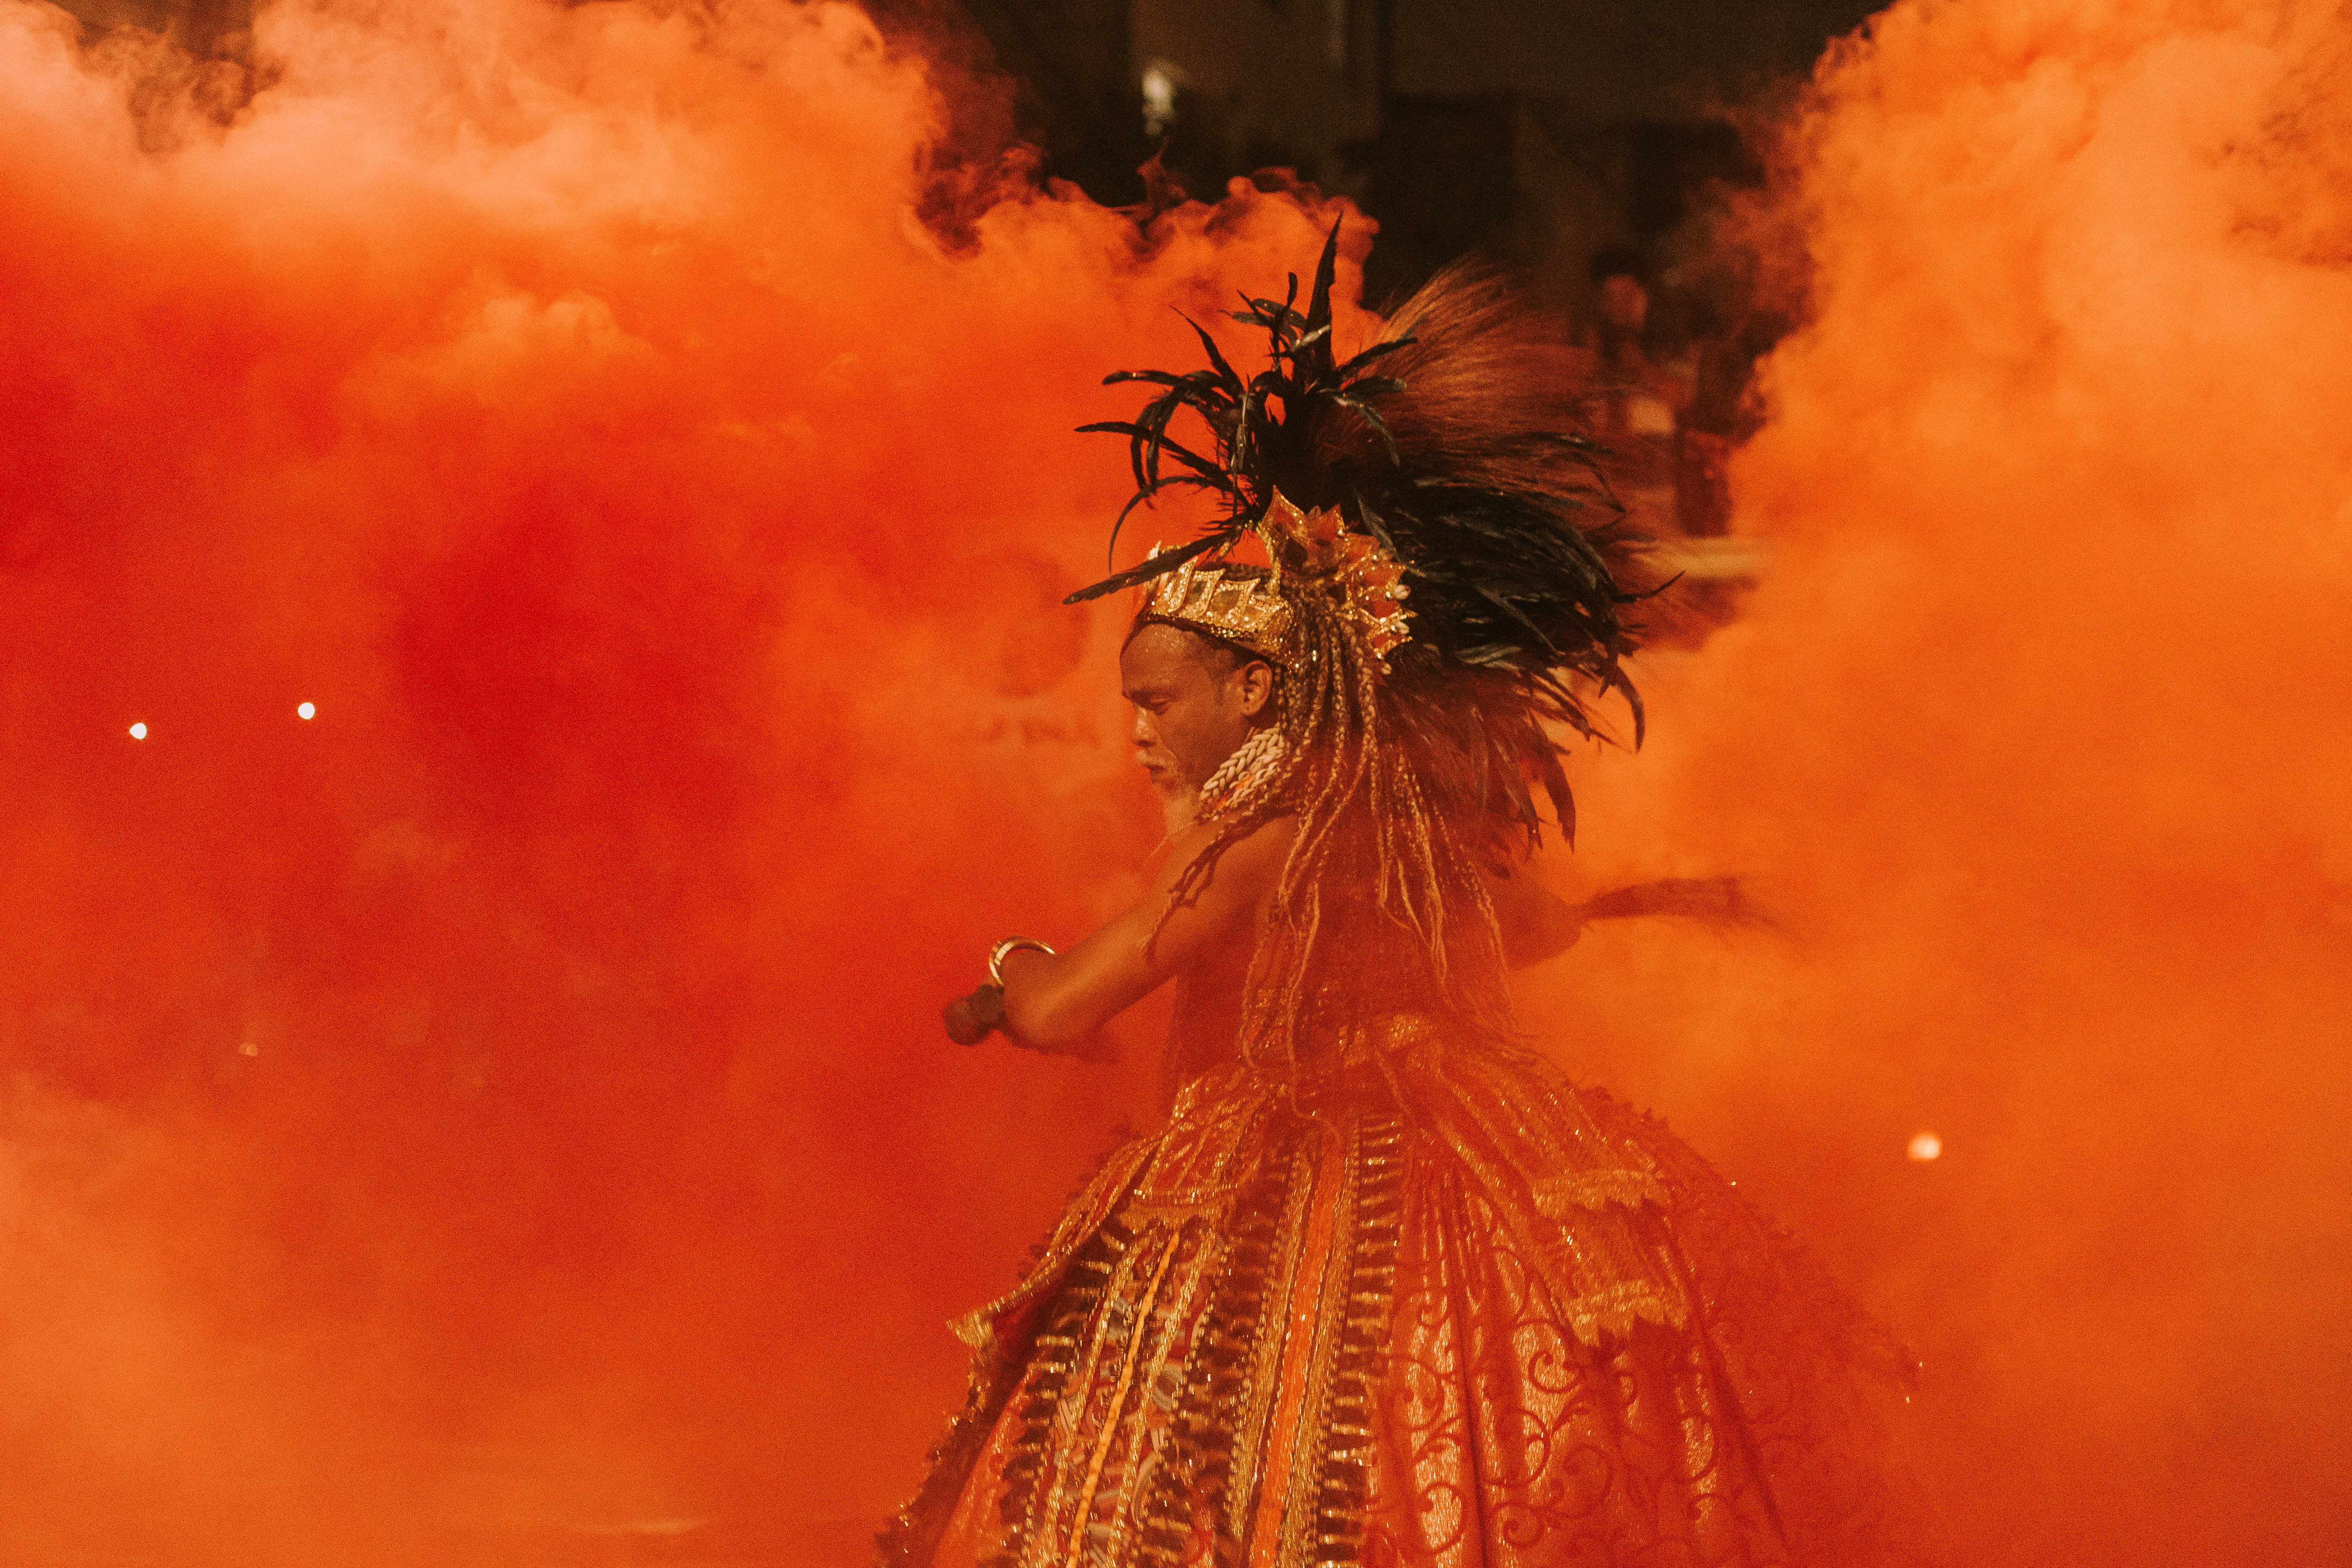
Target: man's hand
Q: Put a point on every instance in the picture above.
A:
(972, 1019)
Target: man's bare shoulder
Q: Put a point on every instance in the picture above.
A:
(1245, 867)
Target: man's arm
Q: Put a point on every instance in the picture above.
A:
(1537, 922)
(1052, 1001)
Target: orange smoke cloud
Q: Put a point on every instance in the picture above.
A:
(510, 1101)
(2034, 733)
(511, 1096)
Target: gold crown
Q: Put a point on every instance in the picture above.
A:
(1247, 605)
(1228, 599)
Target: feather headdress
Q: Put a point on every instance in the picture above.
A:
(1452, 441)
(1441, 464)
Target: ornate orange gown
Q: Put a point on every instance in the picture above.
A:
(1430, 1305)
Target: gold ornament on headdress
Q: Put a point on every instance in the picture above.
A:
(1240, 604)
(1252, 606)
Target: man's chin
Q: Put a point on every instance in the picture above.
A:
(1179, 802)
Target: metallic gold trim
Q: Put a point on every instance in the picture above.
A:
(1005, 949)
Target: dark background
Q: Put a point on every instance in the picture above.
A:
(1538, 131)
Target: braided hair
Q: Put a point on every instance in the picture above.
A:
(1453, 440)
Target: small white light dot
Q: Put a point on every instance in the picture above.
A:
(248, 1049)
(1924, 1146)
(138, 731)
(308, 711)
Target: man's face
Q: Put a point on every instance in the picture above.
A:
(1193, 704)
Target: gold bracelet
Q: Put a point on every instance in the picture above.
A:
(997, 954)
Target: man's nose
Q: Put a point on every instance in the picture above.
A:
(1141, 732)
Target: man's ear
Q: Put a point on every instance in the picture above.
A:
(1257, 687)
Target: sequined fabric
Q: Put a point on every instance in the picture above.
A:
(1438, 1307)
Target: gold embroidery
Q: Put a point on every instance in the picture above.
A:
(1205, 1325)
(1252, 1432)
(1560, 1196)
(1111, 1426)
(1302, 1376)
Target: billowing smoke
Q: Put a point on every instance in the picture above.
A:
(511, 1096)
(505, 1104)
(2035, 735)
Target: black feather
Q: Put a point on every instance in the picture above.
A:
(1451, 443)
(1165, 562)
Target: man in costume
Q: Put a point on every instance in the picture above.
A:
(1386, 1288)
